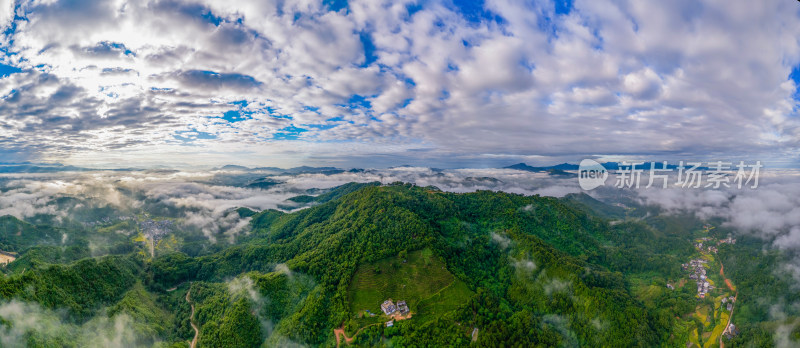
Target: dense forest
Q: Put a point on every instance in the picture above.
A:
(483, 268)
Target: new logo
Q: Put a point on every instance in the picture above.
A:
(591, 174)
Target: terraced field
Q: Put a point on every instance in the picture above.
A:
(423, 281)
(421, 276)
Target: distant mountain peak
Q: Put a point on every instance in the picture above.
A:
(234, 167)
(557, 167)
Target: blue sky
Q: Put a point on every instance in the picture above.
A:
(380, 83)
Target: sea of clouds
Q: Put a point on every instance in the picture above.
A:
(771, 211)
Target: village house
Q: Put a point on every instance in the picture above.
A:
(402, 307)
(388, 307)
(730, 331)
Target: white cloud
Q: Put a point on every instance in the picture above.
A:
(643, 84)
(121, 79)
(501, 240)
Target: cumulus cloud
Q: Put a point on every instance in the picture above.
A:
(644, 84)
(129, 79)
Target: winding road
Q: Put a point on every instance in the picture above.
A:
(191, 319)
(340, 331)
(348, 340)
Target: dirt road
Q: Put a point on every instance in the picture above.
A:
(191, 320)
(727, 281)
(340, 331)
(348, 340)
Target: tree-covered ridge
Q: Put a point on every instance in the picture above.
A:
(487, 239)
(526, 270)
(17, 235)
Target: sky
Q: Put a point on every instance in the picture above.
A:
(378, 83)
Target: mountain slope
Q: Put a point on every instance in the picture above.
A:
(502, 269)
(527, 259)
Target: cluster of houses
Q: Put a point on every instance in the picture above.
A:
(156, 229)
(704, 288)
(709, 248)
(389, 308)
(697, 267)
(729, 300)
(701, 245)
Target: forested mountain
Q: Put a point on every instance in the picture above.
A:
(484, 268)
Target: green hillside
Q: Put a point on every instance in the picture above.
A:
(514, 270)
(331, 241)
(17, 235)
(418, 278)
